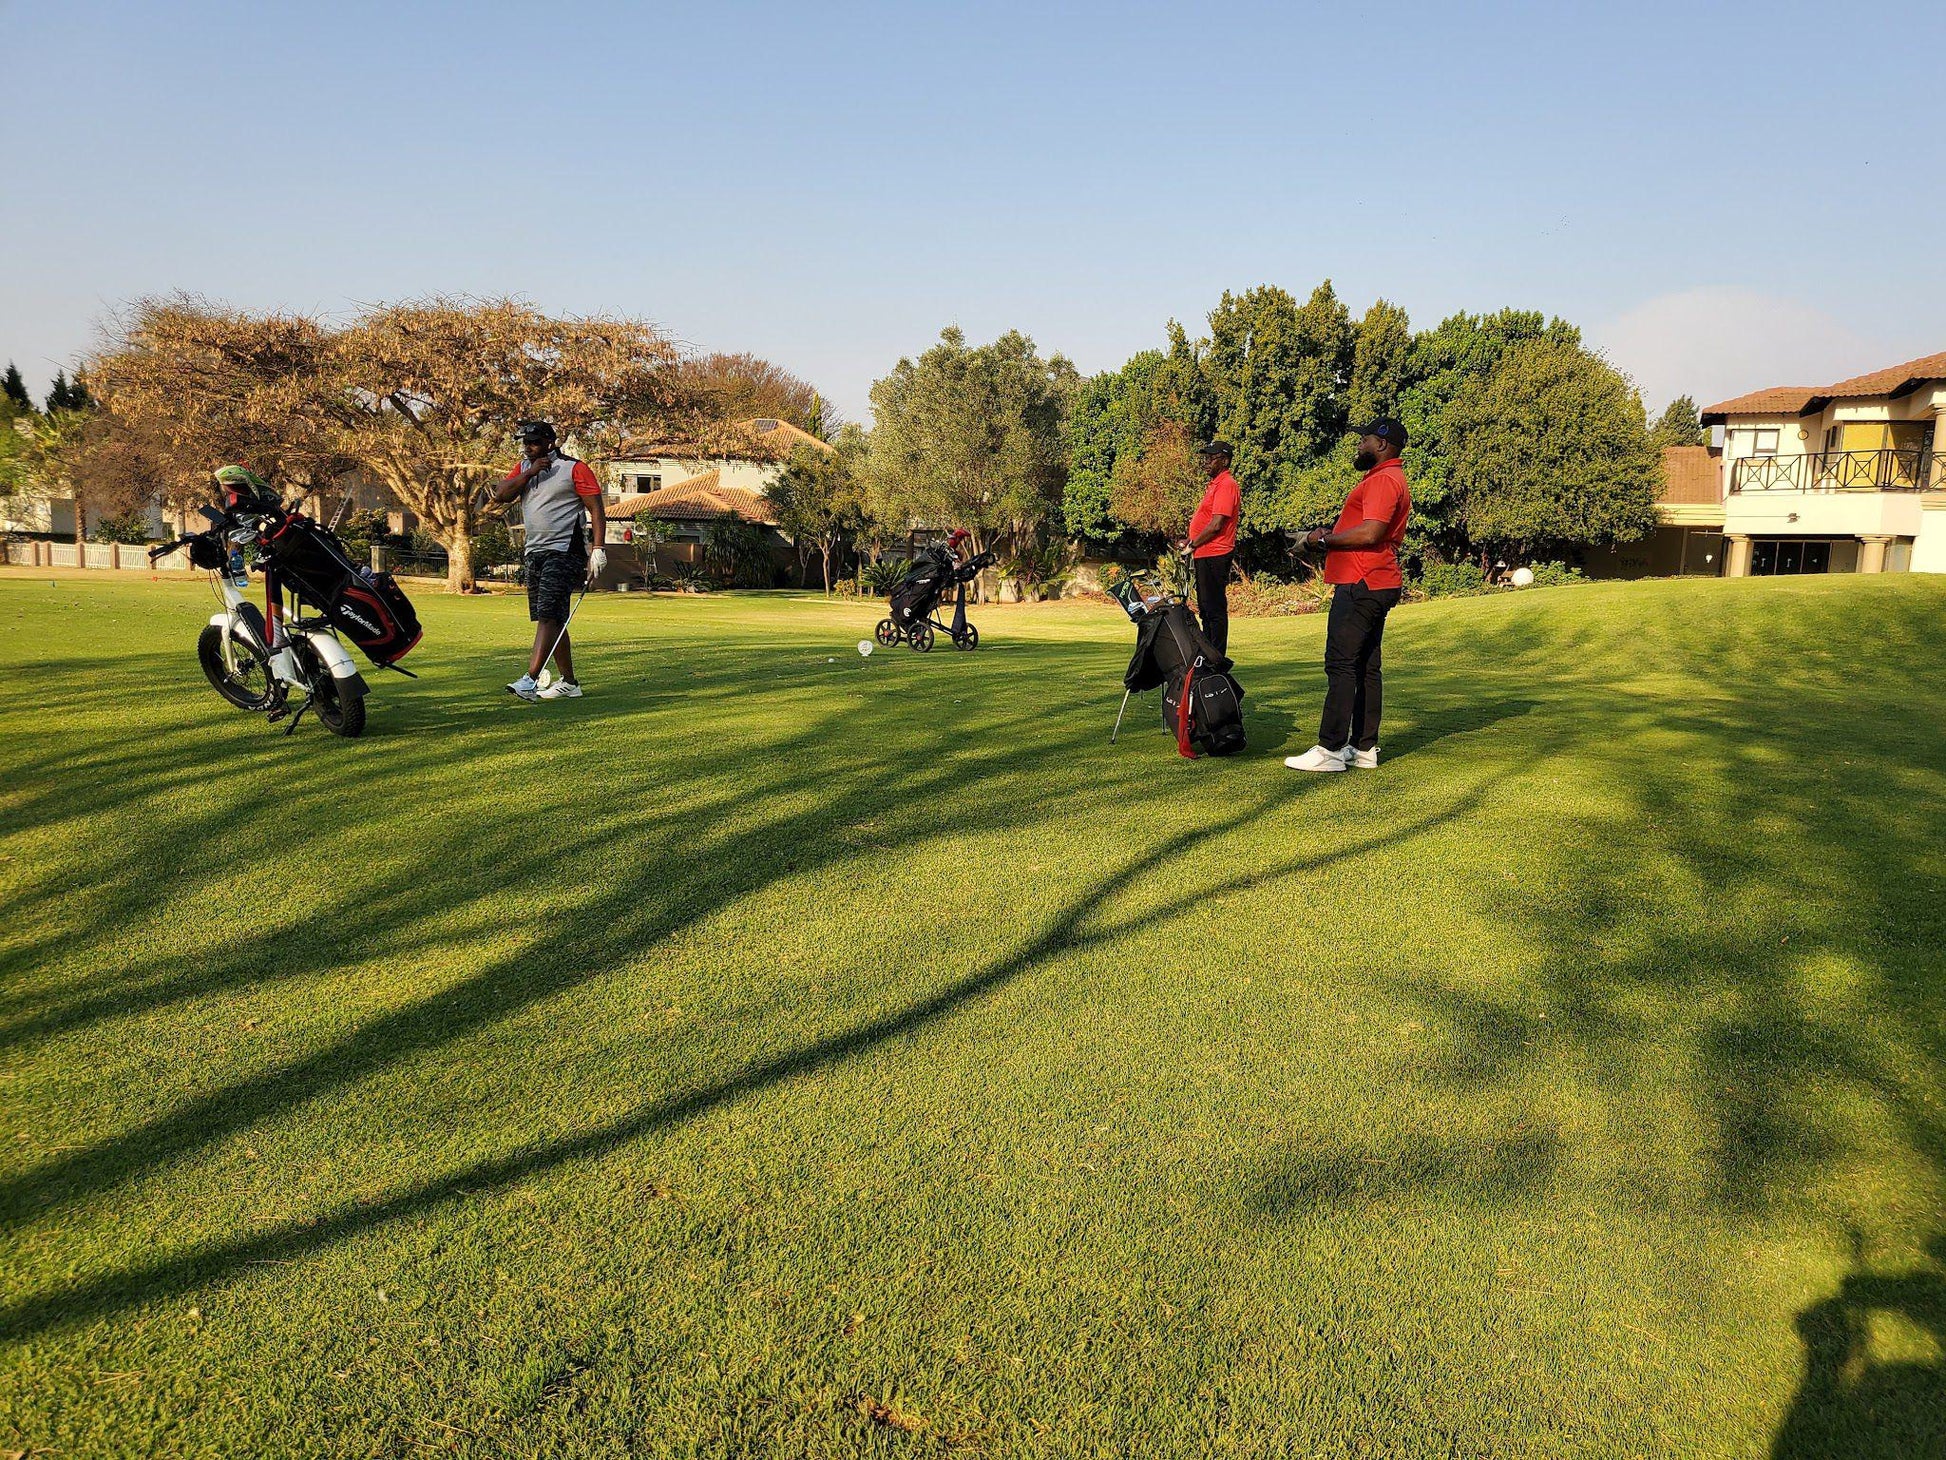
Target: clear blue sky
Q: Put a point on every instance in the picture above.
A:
(1724, 196)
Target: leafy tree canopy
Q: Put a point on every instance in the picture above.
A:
(1551, 446)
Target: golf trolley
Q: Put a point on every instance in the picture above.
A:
(915, 602)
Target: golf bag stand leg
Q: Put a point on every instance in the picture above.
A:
(959, 615)
(1118, 716)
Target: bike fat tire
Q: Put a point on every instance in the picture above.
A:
(254, 687)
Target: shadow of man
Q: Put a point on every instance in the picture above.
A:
(1857, 1400)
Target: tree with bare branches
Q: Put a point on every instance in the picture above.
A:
(433, 390)
(742, 386)
(187, 385)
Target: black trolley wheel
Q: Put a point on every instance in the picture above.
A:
(968, 639)
(887, 633)
(920, 638)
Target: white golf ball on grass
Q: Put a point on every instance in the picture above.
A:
(865, 647)
(1523, 578)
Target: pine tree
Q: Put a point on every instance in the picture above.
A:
(15, 389)
(1678, 425)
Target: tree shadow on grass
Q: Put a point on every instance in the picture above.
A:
(1855, 1401)
(1081, 925)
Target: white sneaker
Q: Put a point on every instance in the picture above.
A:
(525, 688)
(1317, 758)
(1362, 760)
(566, 689)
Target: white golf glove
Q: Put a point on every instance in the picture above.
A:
(597, 560)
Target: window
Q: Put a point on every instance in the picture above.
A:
(1764, 443)
(650, 482)
(1778, 557)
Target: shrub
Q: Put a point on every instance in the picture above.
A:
(1261, 595)
(1451, 580)
(1556, 575)
(130, 527)
(882, 577)
(738, 554)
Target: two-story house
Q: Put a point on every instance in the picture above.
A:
(685, 487)
(1844, 478)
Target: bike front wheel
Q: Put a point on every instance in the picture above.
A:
(238, 671)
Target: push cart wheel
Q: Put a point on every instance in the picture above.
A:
(887, 633)
(969, 640)
(921, 638)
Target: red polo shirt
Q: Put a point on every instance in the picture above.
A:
(1223, 499)
(1382, 494)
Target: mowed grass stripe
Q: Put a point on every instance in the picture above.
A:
(661, 1073)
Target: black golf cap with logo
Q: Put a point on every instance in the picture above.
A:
(1386, 429)
(1215, 448)
(535, 433)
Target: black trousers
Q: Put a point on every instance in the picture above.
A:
(1354, 688)
(1213, 599)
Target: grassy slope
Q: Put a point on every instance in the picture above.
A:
(658, 1073)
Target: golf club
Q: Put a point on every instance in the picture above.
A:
(547, 662)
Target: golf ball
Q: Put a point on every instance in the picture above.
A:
(865, 648)
(1523, 578)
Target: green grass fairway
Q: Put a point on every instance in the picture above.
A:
(783, 1053)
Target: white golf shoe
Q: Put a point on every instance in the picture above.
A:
(525, 688)
(1317, 758)
(1361, 760)
(561, 689)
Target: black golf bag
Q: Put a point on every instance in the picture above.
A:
(924, 584)
(368, 608)
(1202, 704)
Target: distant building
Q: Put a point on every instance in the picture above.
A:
(1844, 478)
(1687, 540)
(684, 488)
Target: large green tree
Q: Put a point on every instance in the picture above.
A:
(1116, 417)
(818, 498)
(973, 436)
(1277, 374)
(1551, 447)
(1457, 354)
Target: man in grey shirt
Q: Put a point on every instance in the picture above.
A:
(554, 492)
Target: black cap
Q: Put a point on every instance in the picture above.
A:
(535, 433)
(1215, 448)
(1386, 429)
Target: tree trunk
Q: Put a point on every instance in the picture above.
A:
(825, 548)
(80, 531)
(459, 559)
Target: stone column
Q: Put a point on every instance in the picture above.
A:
(1871, 552)
(1936, 478)
(1736, 555)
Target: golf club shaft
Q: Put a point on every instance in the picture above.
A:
(573, 609)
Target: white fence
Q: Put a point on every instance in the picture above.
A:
(108, 555)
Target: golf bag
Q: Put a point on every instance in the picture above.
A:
(1202, 704)
(368, 608)
(924, 584)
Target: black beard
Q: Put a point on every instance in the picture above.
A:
(1364, 461)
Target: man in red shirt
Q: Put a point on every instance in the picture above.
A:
(1213, 541)
(1362, 560)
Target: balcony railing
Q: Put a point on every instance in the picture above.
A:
(1885, 470)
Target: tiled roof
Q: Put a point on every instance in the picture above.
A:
(697, 499)
(1893, 381)
(1691, 476)
(1798, 400)
(758, 439)
(1779, 400)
